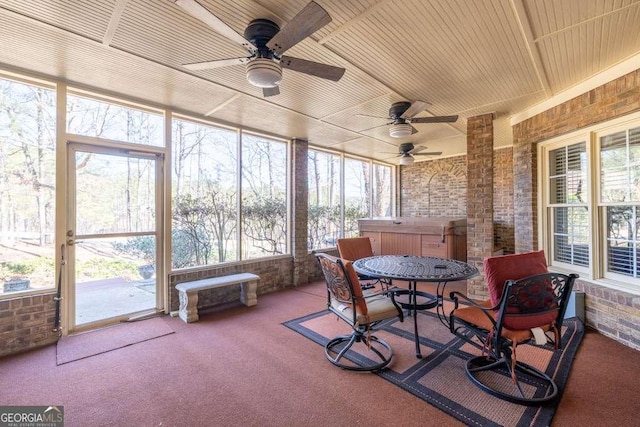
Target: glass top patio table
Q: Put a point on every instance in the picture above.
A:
(417, 269)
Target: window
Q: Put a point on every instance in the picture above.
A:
(216, 216)
(591, 202)
(100, 119)
(264, 196)
(382, 203)
(357, 192)
(620, 200)
(363, 197)
(205, 194)
(568, 204)
(324, 199)
(27, 186)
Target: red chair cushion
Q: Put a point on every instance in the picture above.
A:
(355, 248)
(361, 304)
(499, 269)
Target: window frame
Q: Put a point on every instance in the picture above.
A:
(596, 270)
(552, 207)
(55, 88)
(340, 180)
(240, 133)
(287, 191)
(371, 164)
(602, 206)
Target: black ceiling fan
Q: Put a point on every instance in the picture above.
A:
(408, 151)
(265, 44)
(401, 116)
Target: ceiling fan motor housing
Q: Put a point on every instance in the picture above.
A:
(263, 71)
(260, 31)
(406, 147)
(397, 109)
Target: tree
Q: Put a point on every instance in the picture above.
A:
(265, 224)
(264, 208)
(27, 161)
(188, 220)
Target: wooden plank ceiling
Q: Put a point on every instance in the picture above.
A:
(462, 57)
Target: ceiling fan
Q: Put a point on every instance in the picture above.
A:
(408, 151)
(265, 44)
(402, 115)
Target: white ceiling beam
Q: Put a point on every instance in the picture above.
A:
(525, 28)
(118, 9)
(353, 21)
(224, 104)
(586, 21)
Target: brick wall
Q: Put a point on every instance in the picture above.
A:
(479, 198)
(503, 229)
(613, 313)
(427, 188)
(275, 274)
(300, 203)
(27, 322)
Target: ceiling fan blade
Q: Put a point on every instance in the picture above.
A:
(312, 68)
(215, 64)
(435, 119)
(414, 108)
(430, 153)
(418, 149)
(200, 12)
(306, 22)
(270, 91)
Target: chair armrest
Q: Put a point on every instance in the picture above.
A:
(455, 295)
(485, 309)
(368, 293)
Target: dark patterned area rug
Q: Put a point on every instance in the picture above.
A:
(439, 378)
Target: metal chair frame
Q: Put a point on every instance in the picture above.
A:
(539, 295)
(340, 289)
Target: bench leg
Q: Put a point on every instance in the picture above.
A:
(248, 293)
(188, 306)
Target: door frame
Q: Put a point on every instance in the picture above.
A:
(101, 146)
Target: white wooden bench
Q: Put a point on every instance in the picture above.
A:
(188, 292)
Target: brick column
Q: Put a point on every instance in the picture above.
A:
(299, 211)
(479, 198)
(525, 190)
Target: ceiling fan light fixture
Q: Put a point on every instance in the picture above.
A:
(264, 72)
(406, 159)
(400, 130)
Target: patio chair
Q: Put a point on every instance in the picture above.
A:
(355, 248)
(361, 350)
(528, 311)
